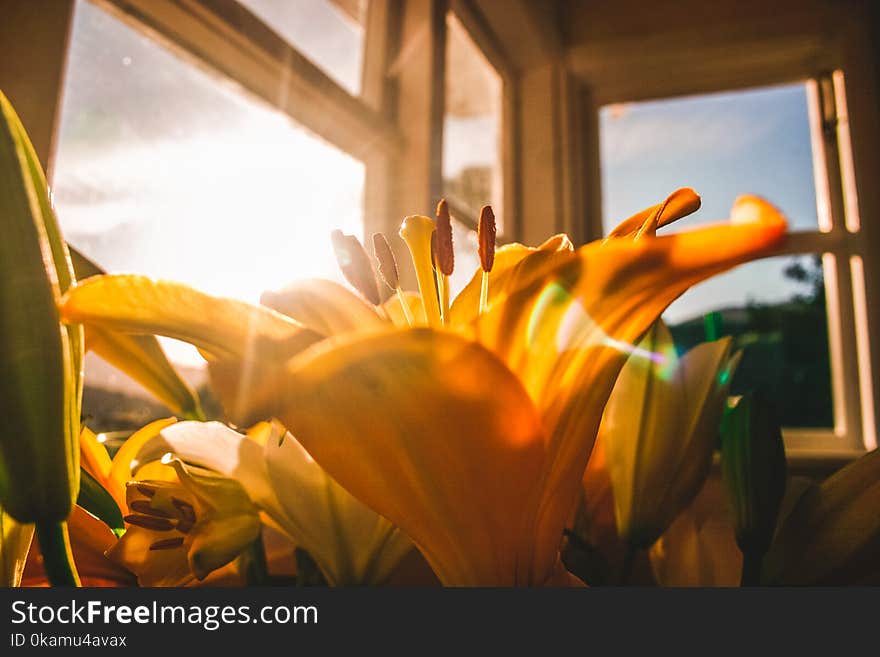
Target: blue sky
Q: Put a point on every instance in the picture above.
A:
(722, 145)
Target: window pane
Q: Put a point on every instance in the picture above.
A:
(329, 32)
(471, 126)
(165, 171)
(466, 246)
(775, 309)
(722, 145)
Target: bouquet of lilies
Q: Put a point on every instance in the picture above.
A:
(539, 429)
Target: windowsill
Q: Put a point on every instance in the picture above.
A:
(811, 462)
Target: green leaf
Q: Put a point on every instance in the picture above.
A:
(39, 449)
(95, 499)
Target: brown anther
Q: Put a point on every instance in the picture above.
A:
(486, 234)
(146, 490)
(167, 544)
(184, 526)
(186, 509)
(149, 522)
(355, 265)
(445, 256)
(387, 264)
(143, 506)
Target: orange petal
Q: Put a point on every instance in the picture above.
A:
(432, 432)
(90, 538)
(125, 463)
(324, 306)
(567, 330)
(222, 327)
(680, 203)
(466, 305)
(699, 548)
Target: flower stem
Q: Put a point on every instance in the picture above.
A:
(256, 573)
(629, 561)
(751, 570)
(57, 556)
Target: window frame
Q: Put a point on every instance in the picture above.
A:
(850, 324)
(532, 46)
(483, 38)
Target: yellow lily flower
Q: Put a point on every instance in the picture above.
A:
(660, 428)
(699, 547)
(406, 419)
(351, 544)
(200, 521)
(185, 531)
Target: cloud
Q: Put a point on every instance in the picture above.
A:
(680, 130)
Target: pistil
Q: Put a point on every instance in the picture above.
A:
(416, 231)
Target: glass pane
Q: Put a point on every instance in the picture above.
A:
(775, 309)
(165, 171)
(465, 245)
(471, 126)
(722, 145)
(329, 32)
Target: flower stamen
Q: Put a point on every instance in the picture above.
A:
(143, 507)
(146, 490)
(389, 273)
(149, 522)
(167, 544)
(355, 265)
(186, 509)
(486, 235)
(445, 256)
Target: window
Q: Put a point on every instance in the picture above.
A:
(329, 32)
(167, 171)
(793, 314)
(471, 127)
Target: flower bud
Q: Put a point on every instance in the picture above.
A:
(753, 468)
(40, 359)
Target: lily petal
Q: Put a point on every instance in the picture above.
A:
(832, 535)
(699, 548)
(90, 538)
(222, 327)
(93, 456)
(466, 305)
(126, 462)
(15, 541)
(660, 428)
(324, 306)
(394, 309)
(142, 358)
(223, 533)
(680, 203)
(352, 544)
(139, 356)
(393, 442)
(215, 446)
(575, 325)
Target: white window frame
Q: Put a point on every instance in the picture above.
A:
(842, 244)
